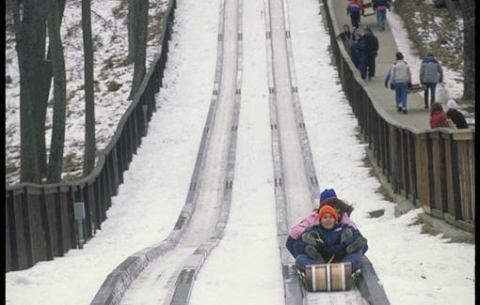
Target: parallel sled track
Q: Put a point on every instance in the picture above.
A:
(164, 274)
(296, 185)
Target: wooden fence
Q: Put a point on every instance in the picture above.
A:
(39, 219)
(434, 169)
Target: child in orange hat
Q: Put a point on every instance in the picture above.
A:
(331, 241)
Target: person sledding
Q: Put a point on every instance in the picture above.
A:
(295, 244)
(331, 242)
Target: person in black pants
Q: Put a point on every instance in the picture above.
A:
(355, 9)
(371, 49)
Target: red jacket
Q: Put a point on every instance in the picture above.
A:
(355, 5)
(438, 119)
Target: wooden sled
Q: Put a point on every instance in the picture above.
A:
(416, 88)
(368, 9)
(328, 277)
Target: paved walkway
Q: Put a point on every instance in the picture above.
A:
(417, 118)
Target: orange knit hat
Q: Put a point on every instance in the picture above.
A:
(326, 209)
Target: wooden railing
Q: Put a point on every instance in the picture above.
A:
(433, 169)
(39, 218)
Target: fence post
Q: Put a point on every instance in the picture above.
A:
(394, 159)
(465, 158)
(11, 252)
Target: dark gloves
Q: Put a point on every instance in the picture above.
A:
(337, 250)
(409, 85)
(346, 235)
(359, 244)
(312, 238)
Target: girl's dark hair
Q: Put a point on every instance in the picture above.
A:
(435, 108)
(340, 205)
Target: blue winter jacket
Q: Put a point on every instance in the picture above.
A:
(358, 53)
(430, 71)
(332, 244)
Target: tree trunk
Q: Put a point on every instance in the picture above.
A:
(469, 49)
(29, 24)
(141, 27)
(131, 29)
(43, 103)
(59, 95)
(90, 149)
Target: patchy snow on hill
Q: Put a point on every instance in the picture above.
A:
(112, 74)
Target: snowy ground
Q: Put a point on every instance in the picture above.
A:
(415, 269)
(110, 38)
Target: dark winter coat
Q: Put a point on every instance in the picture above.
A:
(358, 53)
(438, 119)
(381, 4)
(371, 45)
(332, 243)
(430, 71)
(457, 118)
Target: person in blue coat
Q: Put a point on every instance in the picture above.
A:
(331, 242)
(358, 53)
(431, 73)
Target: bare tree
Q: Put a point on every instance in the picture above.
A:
(131, 29)
(468, 8)
(141, 26)
(59, 94)
(43, 103)
(90, 143)
(29, 18)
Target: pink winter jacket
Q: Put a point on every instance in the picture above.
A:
(311, 220)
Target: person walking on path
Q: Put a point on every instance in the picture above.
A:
(430, 74)
(456, 116)
(371, 49)
(358, 53)
(354, 9)
(400, 79)
(380, 7)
